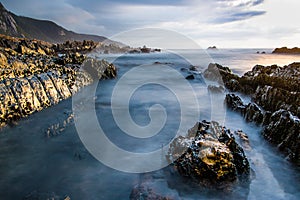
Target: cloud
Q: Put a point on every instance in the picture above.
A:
(239, 16)
(240, 3)
(208, 21)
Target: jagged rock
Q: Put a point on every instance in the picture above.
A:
(212, 157)
(274, 90)
(251, 112)
(273, 99)
(33, 76)
(284, 130)
(25, 96)
(218, 73)
(59, 84)
(235, 103)
(50, 89)
(39, 91)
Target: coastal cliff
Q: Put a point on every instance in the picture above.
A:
(36, 74)
(275, 105)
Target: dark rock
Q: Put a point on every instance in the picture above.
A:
(184, 69)
(235, 103)
(218, 73)
(284, 131)
(273, 99)
(193, 68)
(145, 49)
(190, 77)
(251, 112)
(274, 90)
(212, 157)
(212, 48)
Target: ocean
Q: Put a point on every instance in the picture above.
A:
(139, 112)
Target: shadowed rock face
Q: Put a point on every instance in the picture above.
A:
(212, 157)
(275, 95)
(35, 75)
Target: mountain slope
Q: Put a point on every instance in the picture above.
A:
(19, 26)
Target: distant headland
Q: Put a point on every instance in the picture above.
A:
(285, 50)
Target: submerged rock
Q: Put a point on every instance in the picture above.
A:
(210, 156)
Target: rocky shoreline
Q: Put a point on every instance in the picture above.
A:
(36, 74)
(275, 104)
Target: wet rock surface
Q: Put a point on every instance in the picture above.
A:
(210, 156)
(284, 130)
(36, 74)
(275, 94)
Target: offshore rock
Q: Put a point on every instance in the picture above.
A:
(285, 50)
(210, 156)
(190, 77)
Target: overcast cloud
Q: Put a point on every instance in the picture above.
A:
(225, 23)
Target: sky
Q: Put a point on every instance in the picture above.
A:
(222, 23)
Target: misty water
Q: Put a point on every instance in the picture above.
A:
(33, 163)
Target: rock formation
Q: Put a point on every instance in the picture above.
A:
(35, 74)
(285, 50)
(275, 102)
(210, 156)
